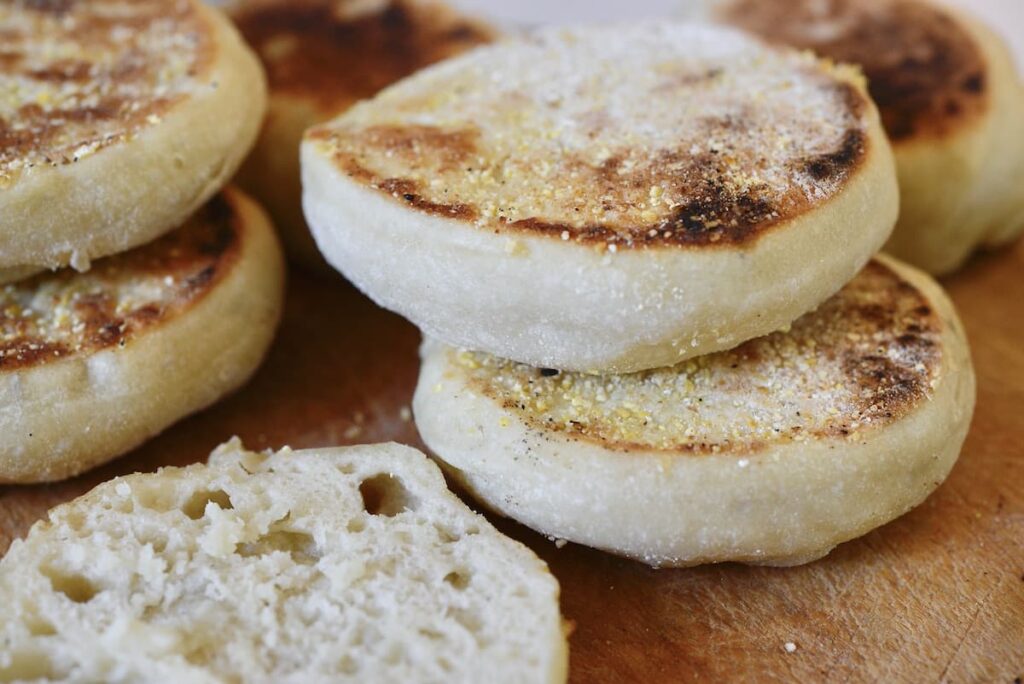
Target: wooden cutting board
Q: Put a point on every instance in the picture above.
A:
(935, 596)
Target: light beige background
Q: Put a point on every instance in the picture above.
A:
(1007, 16)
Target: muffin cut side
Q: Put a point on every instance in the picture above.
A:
(343, 564)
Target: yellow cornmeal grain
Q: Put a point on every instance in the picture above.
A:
(864, 358)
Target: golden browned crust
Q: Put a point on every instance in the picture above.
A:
(866, 358)
(501, 157)
(924, 69)
(59, 315)
(80, 75)
(715, 213)
(333, 54)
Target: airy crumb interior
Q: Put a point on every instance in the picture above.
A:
(299, 566)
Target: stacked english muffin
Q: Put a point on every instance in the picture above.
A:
(642, 257)
(136, 290)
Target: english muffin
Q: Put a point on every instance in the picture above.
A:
(607, 198)
(117, 121)
(951, 101)
(92, 364)
(321, 56)
(331, 565)
(771, 453)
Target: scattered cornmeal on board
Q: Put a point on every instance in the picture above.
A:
(770, 453)
(605, 199)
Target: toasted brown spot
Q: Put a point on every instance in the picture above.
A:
(714, 216)
(52, 6)
(838, 162)
(326, 51)
(924, 69)
(866, 358)
(447, 149)
(408, 191)
(62, 70)
(78, 76)
(686, 78)
(717, 211)
(689, 150)
(64, 314)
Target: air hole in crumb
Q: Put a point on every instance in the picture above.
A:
(195, 507)
(200, 650)
(393, 656)
(445, 534)
(123, 505)
(347, 665)
(158, 542)
(347, 468)
(458, 579)
(75, 520)
(356, 525)
(299, 545)
(76, 587)
(29, 665)
(154, 496)
(472, 530)
(432, 634)
(385, 495)
(470, 622)
(37, 626)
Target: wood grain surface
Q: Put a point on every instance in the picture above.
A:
(937, 595)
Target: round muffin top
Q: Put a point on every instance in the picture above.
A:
(925, 71)
(644, 135)
(335, 52)
(865, 358)
(80, 75)
(58, 315)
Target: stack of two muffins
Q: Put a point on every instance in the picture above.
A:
(134, 291)
(643, 258)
